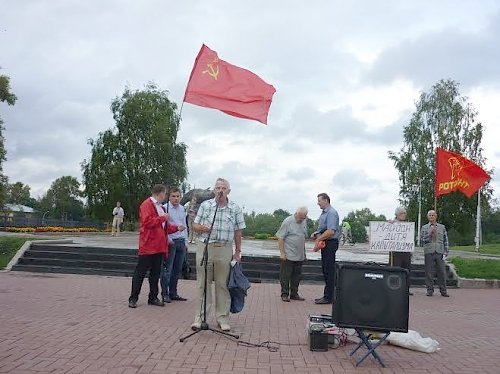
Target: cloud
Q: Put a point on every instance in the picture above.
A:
(451, 53)
(347, 75)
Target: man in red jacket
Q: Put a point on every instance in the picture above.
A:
(153, 245)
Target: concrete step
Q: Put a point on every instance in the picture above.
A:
(59, 258)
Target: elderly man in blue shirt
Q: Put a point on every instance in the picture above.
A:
(328, 232)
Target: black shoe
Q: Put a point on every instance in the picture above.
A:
(285, 298)
(132, 304)
(297, 297)
(445, 294)
(319, 298)
(429, 293)
(323, 301)
(166, 299)
(156, 302)
(178, 298)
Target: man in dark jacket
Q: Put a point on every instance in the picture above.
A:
(435, 240)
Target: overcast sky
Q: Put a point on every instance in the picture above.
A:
(347, 75)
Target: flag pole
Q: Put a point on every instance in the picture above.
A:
(478, 220)
(180, 111)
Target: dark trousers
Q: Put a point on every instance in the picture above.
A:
(144, 263)
(402, 260)
(328, 267)
(290, 273)
(172, 267)
(436, 259)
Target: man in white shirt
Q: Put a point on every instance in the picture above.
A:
(172, 266)
(118, 214)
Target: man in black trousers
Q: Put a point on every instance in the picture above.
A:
(328, 232)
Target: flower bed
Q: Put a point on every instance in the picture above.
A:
(51, 229)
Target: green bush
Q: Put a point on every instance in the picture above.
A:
(456, 238)
(261, 236)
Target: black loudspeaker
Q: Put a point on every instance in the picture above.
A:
(371, 297)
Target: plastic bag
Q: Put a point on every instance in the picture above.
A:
(413, 340)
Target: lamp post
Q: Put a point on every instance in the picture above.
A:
(43, 217)
(418, 188)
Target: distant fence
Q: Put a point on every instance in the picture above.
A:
(13, 221)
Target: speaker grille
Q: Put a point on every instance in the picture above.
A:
(371, 297)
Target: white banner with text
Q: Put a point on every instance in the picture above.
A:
(392, 236)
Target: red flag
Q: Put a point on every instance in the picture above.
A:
(214, 83)
(455, 172)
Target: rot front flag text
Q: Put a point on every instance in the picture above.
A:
(456, 173)
(214, 83)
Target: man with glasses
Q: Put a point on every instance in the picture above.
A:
(291, 243)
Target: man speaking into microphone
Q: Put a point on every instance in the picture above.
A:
(227, 226)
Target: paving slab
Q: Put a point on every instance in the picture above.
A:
(81, 324)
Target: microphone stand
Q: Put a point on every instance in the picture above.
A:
(204, 262)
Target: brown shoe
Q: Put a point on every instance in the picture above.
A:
(297, 297)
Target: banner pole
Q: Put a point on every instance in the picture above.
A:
(478, 220)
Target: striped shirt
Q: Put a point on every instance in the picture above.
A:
(228, 220)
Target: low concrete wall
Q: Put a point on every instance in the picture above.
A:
(478, 283)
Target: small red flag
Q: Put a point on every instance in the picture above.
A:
(456, 173)
(214, 83)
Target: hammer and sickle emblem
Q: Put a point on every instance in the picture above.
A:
(456, 167)
(213, 69)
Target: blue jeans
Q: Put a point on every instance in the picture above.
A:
(172, 267)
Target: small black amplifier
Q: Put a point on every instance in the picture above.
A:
(318, 336)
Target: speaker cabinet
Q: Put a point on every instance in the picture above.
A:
(371, 297)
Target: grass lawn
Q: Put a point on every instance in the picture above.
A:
(8, 248)
(490, 249)
(477, 268)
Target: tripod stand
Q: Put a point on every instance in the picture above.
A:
(204, 262)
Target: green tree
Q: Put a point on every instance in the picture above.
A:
(266, 223)
(443, 119)
(491, 226)
(19, 193)
(359, 220)
(63, 200)
(5, 96)
(141, 151)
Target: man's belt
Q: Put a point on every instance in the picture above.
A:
(218, 244)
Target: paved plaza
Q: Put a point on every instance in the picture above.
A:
(81, 324)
